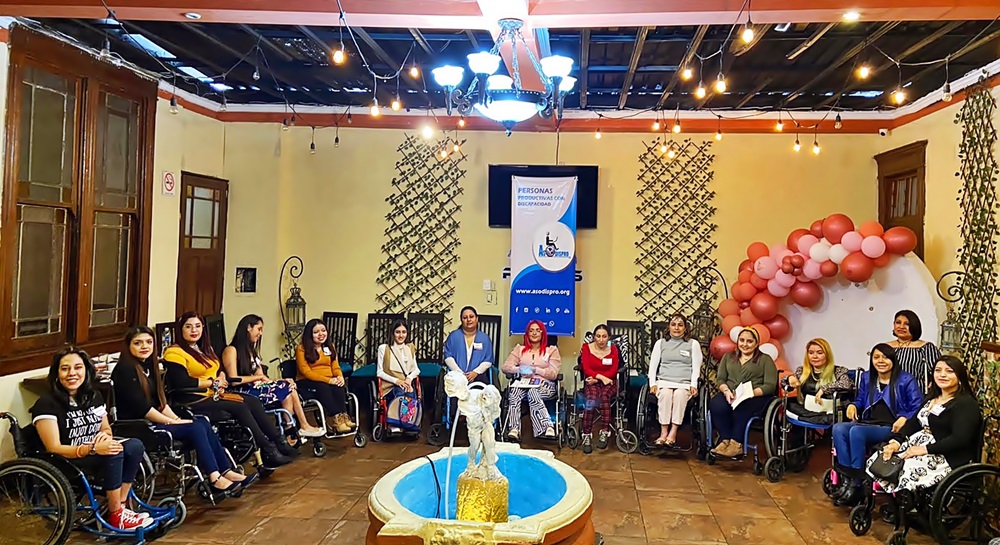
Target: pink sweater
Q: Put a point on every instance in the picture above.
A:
(546, 366)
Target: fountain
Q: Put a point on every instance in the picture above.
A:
(503, 494)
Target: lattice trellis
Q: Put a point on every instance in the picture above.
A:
(675, 228)
(417, 273)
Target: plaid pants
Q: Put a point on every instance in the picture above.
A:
(598, 396)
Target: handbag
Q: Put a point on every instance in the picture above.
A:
(886, 470)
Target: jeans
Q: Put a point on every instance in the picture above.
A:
(115, 469)
(200, 435)
(732, 423)
(851, 441)
(332, 398)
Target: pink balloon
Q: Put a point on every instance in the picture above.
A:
(777, 250)
(784, 254)
(806, 242)
(784, 279)
(811, 270)
(851, 241)
(776, 289)
(765, 267)
(873, 246)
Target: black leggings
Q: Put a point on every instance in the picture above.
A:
(250, 414)
(332, 398)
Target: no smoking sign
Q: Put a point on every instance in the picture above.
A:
(169, 183)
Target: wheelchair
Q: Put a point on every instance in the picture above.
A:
(309, 405)
(788, 451)
(625, 439)
(955, 509)
(60, 497)
(648, 425)
(381, 430)
(440, 429)
(555, 406)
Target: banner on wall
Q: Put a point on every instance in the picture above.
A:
(543, 254)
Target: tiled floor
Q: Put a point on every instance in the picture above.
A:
(638, 500)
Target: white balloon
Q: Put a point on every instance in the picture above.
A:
(819, 252)
(734, 333)
(770, 350)
(837, 253)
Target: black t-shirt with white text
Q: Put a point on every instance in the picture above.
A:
(78, 425)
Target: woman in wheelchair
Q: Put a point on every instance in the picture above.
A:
(320, 374)
(817, 376)
(194, 378)
(397, 370)
(72, 422)
(674, 368)
(943, 436)
(469, 350)
(746, 364)
(599, 360)
(532, 360)
(886, 398)
(139, 395)
(242, 361)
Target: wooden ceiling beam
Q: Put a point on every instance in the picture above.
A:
(749, 96)
(422, 42)
(688, 59)
(633, 63)
(809, 42)
(386, 58)
(353, 70)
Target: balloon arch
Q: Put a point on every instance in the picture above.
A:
(772, 274)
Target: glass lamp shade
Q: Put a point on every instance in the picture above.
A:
(510, 106)
(295, 311)
(484, 63)
(703, 323)
(556, 66)
(448, 76)
(950, 336)
(499, 82)
(567, 83)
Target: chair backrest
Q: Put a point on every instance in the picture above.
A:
(342, 328)
(427, 333)
(165, 337)
(492, 325)
(288, 369)
(216, 326)
(632, 337)
(656, 333)
(376, 333)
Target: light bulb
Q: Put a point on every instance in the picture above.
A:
(747, 34)
(375, 110)
(898, 96)
(663, 148)
(339, 56)
(312, 148)
(797, 146)
(461, 122)
(687, 74)
(837, 122)
(656, 125)
(396, 104)
(455, 148)
(779, 126)
(336, 141)
(427, 131)
(815, 148)
(173, 105)
(947, 96)
(864, 71)
(720, 84)
(444, 153)
(718, 134)
(700, 92)
(224, 107)
(597, 134)
(284, 124)
(677, 127)
(349, 120)
(256, 74)
(852, 16)
(671, 153)
(414, 72)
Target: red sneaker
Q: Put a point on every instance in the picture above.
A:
(124, 519)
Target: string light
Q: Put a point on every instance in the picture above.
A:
(947, 96)
(816, 149)
(864, 71)
(455, 148)
(837, 122)
(173, 105)
(284, 124)
(852, 16)
(677, 127)
(349, 120)
(597, 134)
(718, 135)
(747, 34)
(671, 153)
(336, 138)
(414, 71)
(224, 107)
(656, 124)
(797, 145)
(687, 73)
(427, 132)
(461, 122)
(396, 104)
(256, 74)
(444, 153)
(779, 126)
(375, 110)
(700, 92)
(312, 142)
(339, 56)
(720, 84)
(898, 96)
(663, 147)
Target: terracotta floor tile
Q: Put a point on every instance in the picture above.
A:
(675, 528)
(622, 498)
(745, 529)
(619, 523)
(308, 504)
(346, 532)
(656, 503)
(624, 540)
(273, 530)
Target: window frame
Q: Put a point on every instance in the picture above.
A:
(92, 78)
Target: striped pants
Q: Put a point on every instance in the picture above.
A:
(536, 405)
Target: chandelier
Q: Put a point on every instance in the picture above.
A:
(499, 97)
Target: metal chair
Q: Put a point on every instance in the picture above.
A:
(342, 327)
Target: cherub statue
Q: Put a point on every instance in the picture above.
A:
(481, 406)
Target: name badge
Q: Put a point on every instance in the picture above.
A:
(686, 353)
(326, 350)
(477, 346)
(937, 410)
(607, 361)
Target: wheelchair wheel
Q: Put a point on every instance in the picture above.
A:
(144, 485)
(896, 538)
(360, 440)
(710, 458)
(180, 511)
(772, 428)
(774, 469)
(436, 434)
(572, 437)
(627, 441)
(758, 468)
(36, 503)
(378, 433)
(319, 449)
(860, 520)
(963, 505)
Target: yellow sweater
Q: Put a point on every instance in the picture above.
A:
(194, 368)
(324, 369)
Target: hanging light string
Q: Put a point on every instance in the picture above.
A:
(946, 58)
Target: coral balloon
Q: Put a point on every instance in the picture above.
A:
(720, 346)
(757, 250)
(745, 265)
(806, 294)
(871, 229)
(811, 269)
(731, 321)
(762, 333)
(882, 260)
(744, 276)
(900, 240)
(835, 226)
(778, 326)
(776, 289)
(820, 252)
(797, 260)
(744, 291)
(838, 253)
(794, 236)
(729, 307)
(828, 269)
(816, 229)
(764, 306)
(785, 280)
(806, 242)
(765, 267)
(852, 241)
(758, 282)
(857, 267)
(748, 318)
(770, 350)
(873, 246)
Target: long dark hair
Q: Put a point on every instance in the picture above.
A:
(204, 344)
(913, 323)
(890, 353)
(246, 351)
(310, 348)
(139, 367)
(85, 393)
(392, 331)
(961, 371)
(687, 326)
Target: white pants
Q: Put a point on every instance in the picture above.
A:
(670, 403)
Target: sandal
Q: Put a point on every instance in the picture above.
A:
(660, 441)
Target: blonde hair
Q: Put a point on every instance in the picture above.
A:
(826, 375)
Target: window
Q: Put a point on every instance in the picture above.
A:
(901, 189)
(74, 256)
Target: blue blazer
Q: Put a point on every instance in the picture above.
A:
(908, 397)
(454, 347)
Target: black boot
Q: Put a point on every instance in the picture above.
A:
(271, 457)
(851, 497)
(286, 449)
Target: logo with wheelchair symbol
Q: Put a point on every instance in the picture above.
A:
(555, 247)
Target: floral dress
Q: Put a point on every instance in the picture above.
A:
(269, 393)
(921, 471)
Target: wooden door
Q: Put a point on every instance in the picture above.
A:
(902, 188)
(201, 264)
